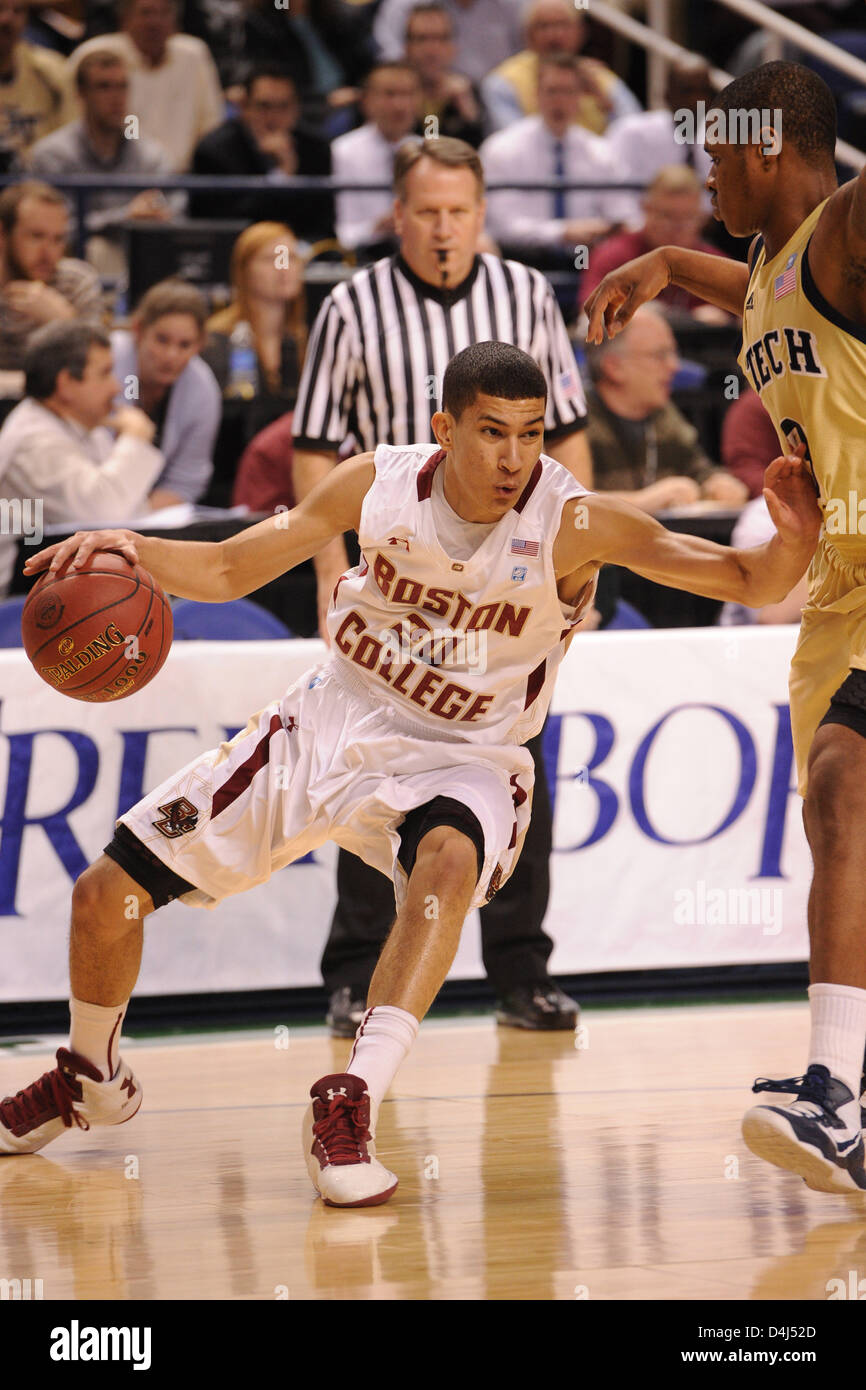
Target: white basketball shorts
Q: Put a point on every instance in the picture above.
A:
(330, 761)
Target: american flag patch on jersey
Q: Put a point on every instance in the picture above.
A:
(787, 281)
(524, 547)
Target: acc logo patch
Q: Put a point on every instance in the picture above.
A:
(518, 574)
(180, 818)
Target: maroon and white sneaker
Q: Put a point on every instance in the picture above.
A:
(338, 1145)
(73, 1093)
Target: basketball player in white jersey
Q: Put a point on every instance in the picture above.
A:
(479, 556)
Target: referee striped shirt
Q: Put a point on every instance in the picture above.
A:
(382, 340)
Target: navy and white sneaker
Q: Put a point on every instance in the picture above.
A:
(810, 1136)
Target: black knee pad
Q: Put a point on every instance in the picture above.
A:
(442, 810)
(848, 705)
(160, 882)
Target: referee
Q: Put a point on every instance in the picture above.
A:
(375, 362)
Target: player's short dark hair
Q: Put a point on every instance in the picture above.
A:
(807, 105)
(491, 369)
(57, 347)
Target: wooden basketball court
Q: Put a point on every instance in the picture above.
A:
(530, 1168)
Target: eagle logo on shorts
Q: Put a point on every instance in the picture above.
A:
(179, 818)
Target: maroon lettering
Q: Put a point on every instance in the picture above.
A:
(463, 606)
(427, 683)
(438, 601)
(480, 705)
(441, 706)
(407, 591)
(482, 618)
(367, 652)
(403, 675)
(384, 573)
(511, 620)
(350, 619)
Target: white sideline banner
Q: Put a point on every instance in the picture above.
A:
(677, 832)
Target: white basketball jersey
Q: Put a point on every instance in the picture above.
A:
(467, 649)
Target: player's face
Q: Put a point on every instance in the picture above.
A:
(729, 188)
(166, 347)
(492, 450)
(90, 399)
(443, 211)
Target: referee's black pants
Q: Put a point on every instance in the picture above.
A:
(514, 948)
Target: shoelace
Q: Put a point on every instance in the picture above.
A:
(341, 1131)
(53, 1090)
(812, 1087)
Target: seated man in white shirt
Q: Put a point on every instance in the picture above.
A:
(54, 450)
(548, 147)
(391, 95)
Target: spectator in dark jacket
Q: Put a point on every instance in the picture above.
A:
(266, 139)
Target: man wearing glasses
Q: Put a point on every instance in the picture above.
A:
(643, 448)
(267, 140)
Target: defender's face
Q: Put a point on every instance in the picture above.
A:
(492, 450)
(729, 187)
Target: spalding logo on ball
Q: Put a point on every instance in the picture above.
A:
(99, 632)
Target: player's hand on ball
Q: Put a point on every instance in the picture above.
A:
(78, 547)
(789, 491)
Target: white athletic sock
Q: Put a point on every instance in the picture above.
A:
(95, 1034)
(384, 1036)
(839, 1032)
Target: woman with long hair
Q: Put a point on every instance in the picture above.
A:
(267, 299)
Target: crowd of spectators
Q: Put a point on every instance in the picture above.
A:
(206, 368)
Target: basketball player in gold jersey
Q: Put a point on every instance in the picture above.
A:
(803, 301)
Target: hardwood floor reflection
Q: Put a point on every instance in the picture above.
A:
(529, 1169)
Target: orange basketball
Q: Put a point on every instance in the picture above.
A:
(100, 632)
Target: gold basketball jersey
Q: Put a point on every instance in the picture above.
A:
(807, 361)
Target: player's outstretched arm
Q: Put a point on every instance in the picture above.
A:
(215, 572)
(714, 278)
(616, 533)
